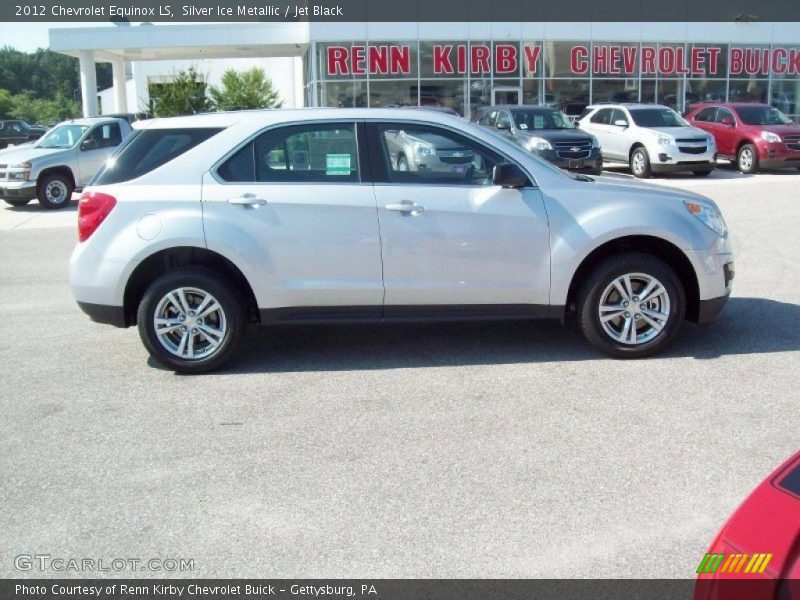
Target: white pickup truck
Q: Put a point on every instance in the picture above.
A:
(60, 162)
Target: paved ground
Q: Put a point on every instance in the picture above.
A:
(481, 450)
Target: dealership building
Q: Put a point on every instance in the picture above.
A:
(458, 65)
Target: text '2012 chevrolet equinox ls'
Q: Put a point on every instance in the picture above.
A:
(200, 225)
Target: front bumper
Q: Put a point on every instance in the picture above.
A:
(18, 190)
(777, 156)
(677, 157)
(715, 270)
(592, 162)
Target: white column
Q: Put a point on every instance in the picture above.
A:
(297, 76)
(88, 83)
(120, 89)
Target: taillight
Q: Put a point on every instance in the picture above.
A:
(93, 208)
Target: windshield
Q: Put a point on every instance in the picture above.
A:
(63, 136)
(657, 117)
(762, 115)
(541, 119)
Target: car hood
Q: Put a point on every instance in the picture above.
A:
(679, 132)
(555, 135)
(780, 129)
(26, 153)
(632, 187)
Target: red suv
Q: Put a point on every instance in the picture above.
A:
(754, 135)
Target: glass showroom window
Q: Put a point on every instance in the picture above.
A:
(786, 97)
(532, 72)
(558, 59)
(392, 93)
(450, 93)
(480, 78)
(342, 94)
(615, 90)
(335, 60)
(748, 90)
(668, 92)
(711, 84)
(564, 93)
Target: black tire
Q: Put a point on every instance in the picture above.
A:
(592, 292)
(17, 201)
(703, 173)
(54, 191)
(742, 164)
(644, 171)
(225, 293)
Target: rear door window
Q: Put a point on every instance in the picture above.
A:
(149, 149)
(317, 153)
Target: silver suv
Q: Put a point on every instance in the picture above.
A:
(202, 225)
(650, 138)
(61, 161)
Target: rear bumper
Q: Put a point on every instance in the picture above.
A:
(102, 313)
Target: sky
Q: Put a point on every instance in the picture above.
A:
(30, 36)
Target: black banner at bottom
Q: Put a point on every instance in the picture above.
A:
(398, 589)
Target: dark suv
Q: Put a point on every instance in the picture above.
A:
(546, 132)
(14, 132)
(754, 135)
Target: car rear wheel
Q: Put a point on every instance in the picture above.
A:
(640, 163)
(747, 159)
(631, 306)
(54, 191)
(192, 320)
(17, 201)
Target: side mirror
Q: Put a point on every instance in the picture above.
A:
(88, 144)
(504, 125)
(509, 175)
(621, 123)
(728, 121)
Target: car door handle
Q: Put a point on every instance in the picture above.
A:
(247, 200)
(406, 206)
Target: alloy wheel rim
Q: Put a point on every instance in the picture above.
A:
(190, 323)
(56, 192)
(746, 159)
(634, 309)
(638, 162)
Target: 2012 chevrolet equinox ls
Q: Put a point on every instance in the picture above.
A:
(200, 225)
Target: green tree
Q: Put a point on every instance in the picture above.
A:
(244, 90)
(6, 103)
(27, 107)
(184, 95)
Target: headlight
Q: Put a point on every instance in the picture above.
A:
(537, 143)
(664, 140)
(595, 143)
(19, 171)
(710, 215)
(768, 136)
(423, 149)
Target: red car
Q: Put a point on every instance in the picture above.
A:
(754, 135)
(757, 553)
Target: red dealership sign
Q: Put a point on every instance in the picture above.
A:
(504, 58)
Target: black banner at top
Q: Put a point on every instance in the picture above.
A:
(407, 10)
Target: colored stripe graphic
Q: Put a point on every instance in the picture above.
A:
(734, 563)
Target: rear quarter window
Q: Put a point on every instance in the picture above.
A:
(149, 149)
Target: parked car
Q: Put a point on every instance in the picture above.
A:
(753, 135)
(60, 162)
(203, 224)
(650, 138)
(755, 554)
(14, 132)
(546, 132)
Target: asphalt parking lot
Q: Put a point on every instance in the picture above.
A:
(469, 450)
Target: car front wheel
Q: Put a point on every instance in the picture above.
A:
(54, 191)
(191, 320)
(747, 159)
(640, 163)
(631, 306)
